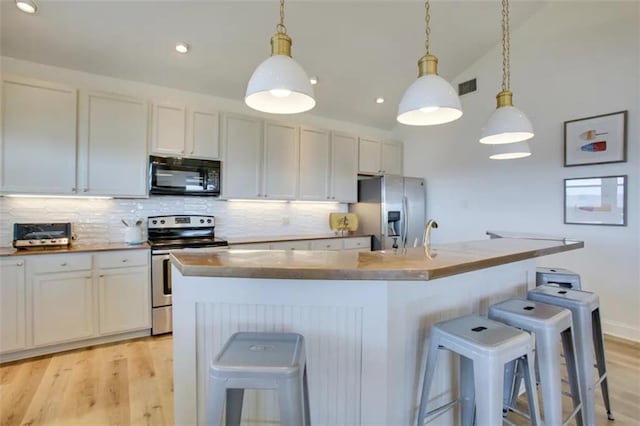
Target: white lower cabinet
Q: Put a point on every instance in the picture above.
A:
(65, 299)
(351, 243)
(12, 305)
(290, 245)
(63, 307)
(124, 300)
(357, 243)
(123, 291)
(328, 244)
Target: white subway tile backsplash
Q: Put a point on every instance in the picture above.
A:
(99, 220)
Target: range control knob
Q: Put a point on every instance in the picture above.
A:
(42, 241)
(31, 242)
(208, 220)
(162, 222)
(201, 220)
(154, 221)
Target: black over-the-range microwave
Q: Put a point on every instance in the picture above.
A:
(184, 176)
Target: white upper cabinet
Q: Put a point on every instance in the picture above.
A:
(344, 167)
(112, 145)
(169, 129)
(185, 131)
(203, 137)
(328, 166)
(261, 159)
(315, 151)
(378, 157)
(242, 168)
(369, 156)
(38, 137)
(391, 158)
(281, 159)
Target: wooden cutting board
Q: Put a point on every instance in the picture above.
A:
(343, 221)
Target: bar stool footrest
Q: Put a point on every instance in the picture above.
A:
(437, 412)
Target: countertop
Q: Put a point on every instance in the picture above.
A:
(74, 248)
(411, 264)
(275, 239)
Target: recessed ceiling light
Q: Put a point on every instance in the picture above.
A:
(313, 80)
(27, 6)
(182, 47)
(379, 100)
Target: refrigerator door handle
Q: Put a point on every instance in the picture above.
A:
(405, 221)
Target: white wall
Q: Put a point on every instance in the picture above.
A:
(569, 61)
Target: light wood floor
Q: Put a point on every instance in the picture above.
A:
(131, 383)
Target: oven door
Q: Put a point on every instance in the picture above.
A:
(160, 279)
(161, 312)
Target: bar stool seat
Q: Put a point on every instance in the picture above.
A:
(550, 325)
(561, 277)
(585, 312)
(484, 347)
(259, 361)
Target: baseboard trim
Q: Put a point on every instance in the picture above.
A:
(621, 330)
(35, 352)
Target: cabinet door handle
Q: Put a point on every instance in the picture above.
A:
(85, 190)
(124, 260)
(63, 264)
(19, 263)
(73, 189)
(101, 276)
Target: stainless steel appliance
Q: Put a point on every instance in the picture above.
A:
(183, 176)
(28, 235)
(393, 209)
(174, 233)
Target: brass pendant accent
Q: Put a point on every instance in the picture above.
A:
(504, 98)
(428, 64)
(281, 44)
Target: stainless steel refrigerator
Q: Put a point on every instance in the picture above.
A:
(392, 209)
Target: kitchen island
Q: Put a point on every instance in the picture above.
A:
(365, 317)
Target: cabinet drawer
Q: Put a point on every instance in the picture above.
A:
(290, 245)
(61, 263)
(357, 243)
(122, 259)
(251, 246)
(329, 244)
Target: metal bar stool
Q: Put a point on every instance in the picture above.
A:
(484, 347)
(559, 276)
(259, 361)
(585, 312)
(550, 325)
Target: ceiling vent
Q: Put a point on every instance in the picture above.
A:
(467, 87)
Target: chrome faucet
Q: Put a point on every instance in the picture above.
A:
(426, 239)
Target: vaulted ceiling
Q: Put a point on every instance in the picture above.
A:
(359, 49)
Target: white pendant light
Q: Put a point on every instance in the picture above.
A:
(510, 151)
(507, 124)
(27, 6)
(279, 85)
(430, 99)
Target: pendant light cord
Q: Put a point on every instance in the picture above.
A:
(427, 19)
(280, 27)
(506, 77)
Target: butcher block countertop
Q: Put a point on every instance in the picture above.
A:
(411, 264)
(74, 248)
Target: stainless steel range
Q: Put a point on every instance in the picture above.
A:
(173, 233)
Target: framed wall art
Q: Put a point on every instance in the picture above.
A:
(596, 140)
(596, 200)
